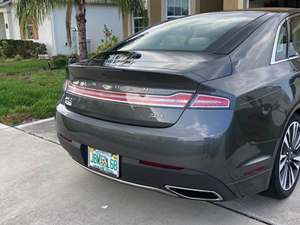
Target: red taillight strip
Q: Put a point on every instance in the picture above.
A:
(178, 100)
(208, 101)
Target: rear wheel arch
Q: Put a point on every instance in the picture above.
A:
(275, 189)
(295, 110)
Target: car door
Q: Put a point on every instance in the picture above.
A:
(294, 55)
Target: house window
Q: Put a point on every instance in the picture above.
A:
(178, 8)
(140, 19)
(30, 31)
(139, 23)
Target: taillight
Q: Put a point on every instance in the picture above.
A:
(178, 100)
(208, 101)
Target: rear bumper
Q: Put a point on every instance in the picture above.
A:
(189, 145)
(135, 174)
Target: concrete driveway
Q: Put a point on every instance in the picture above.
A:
(40, 184)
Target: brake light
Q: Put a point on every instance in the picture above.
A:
(178, 100)
(208, 101)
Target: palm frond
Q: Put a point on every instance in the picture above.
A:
(131, 6)
(37, 10)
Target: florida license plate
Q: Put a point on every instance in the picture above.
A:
(106, 162)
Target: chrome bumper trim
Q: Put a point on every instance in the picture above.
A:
(129, 183)
(219, 197)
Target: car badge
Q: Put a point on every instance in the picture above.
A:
(107, 87)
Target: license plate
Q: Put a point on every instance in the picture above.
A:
(104, 161)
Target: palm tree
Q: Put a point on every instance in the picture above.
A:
(37, 10)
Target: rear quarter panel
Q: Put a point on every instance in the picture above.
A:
(266, 95)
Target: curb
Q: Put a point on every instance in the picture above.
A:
(3, 126)
(33, 123)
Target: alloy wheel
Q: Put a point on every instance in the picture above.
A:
(289, 162)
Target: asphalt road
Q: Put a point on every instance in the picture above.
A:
(40, 184)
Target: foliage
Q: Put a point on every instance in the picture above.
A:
(28, 10)
(131, 6)
(25, 49)
(58, 62)
(27, 91)
(74, 58)
(18, 58)
(109, 40)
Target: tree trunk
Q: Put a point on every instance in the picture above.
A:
(81, 26)
(68, 21)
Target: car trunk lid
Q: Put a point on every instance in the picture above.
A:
(135, 88)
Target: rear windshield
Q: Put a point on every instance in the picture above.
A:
(194, 33)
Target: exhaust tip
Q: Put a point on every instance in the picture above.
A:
(194, 194)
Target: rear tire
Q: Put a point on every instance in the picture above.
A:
(287, 162)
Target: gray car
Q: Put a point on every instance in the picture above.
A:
(205, 107)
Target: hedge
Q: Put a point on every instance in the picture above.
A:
(25, 49)
(58, 62)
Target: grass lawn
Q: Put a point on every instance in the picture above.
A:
(28, 91)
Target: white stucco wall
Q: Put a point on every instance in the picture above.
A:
(2, 27)
(97, 16)
(53, 30)
(12, 30)
(14, 24)
(46, 35)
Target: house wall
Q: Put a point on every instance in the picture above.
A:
(10, 20)
(126, 25)
(203, 6)
(2, 27)
(46, 35)
(96, 16)
(157, 10)
(52, 31)
(13, 22)
(235, 4)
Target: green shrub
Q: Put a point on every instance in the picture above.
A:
(18, 58)
(25, 49)
(109, 40)
(39, 49)
(58, 62)
(2, 56)
(92, 55)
